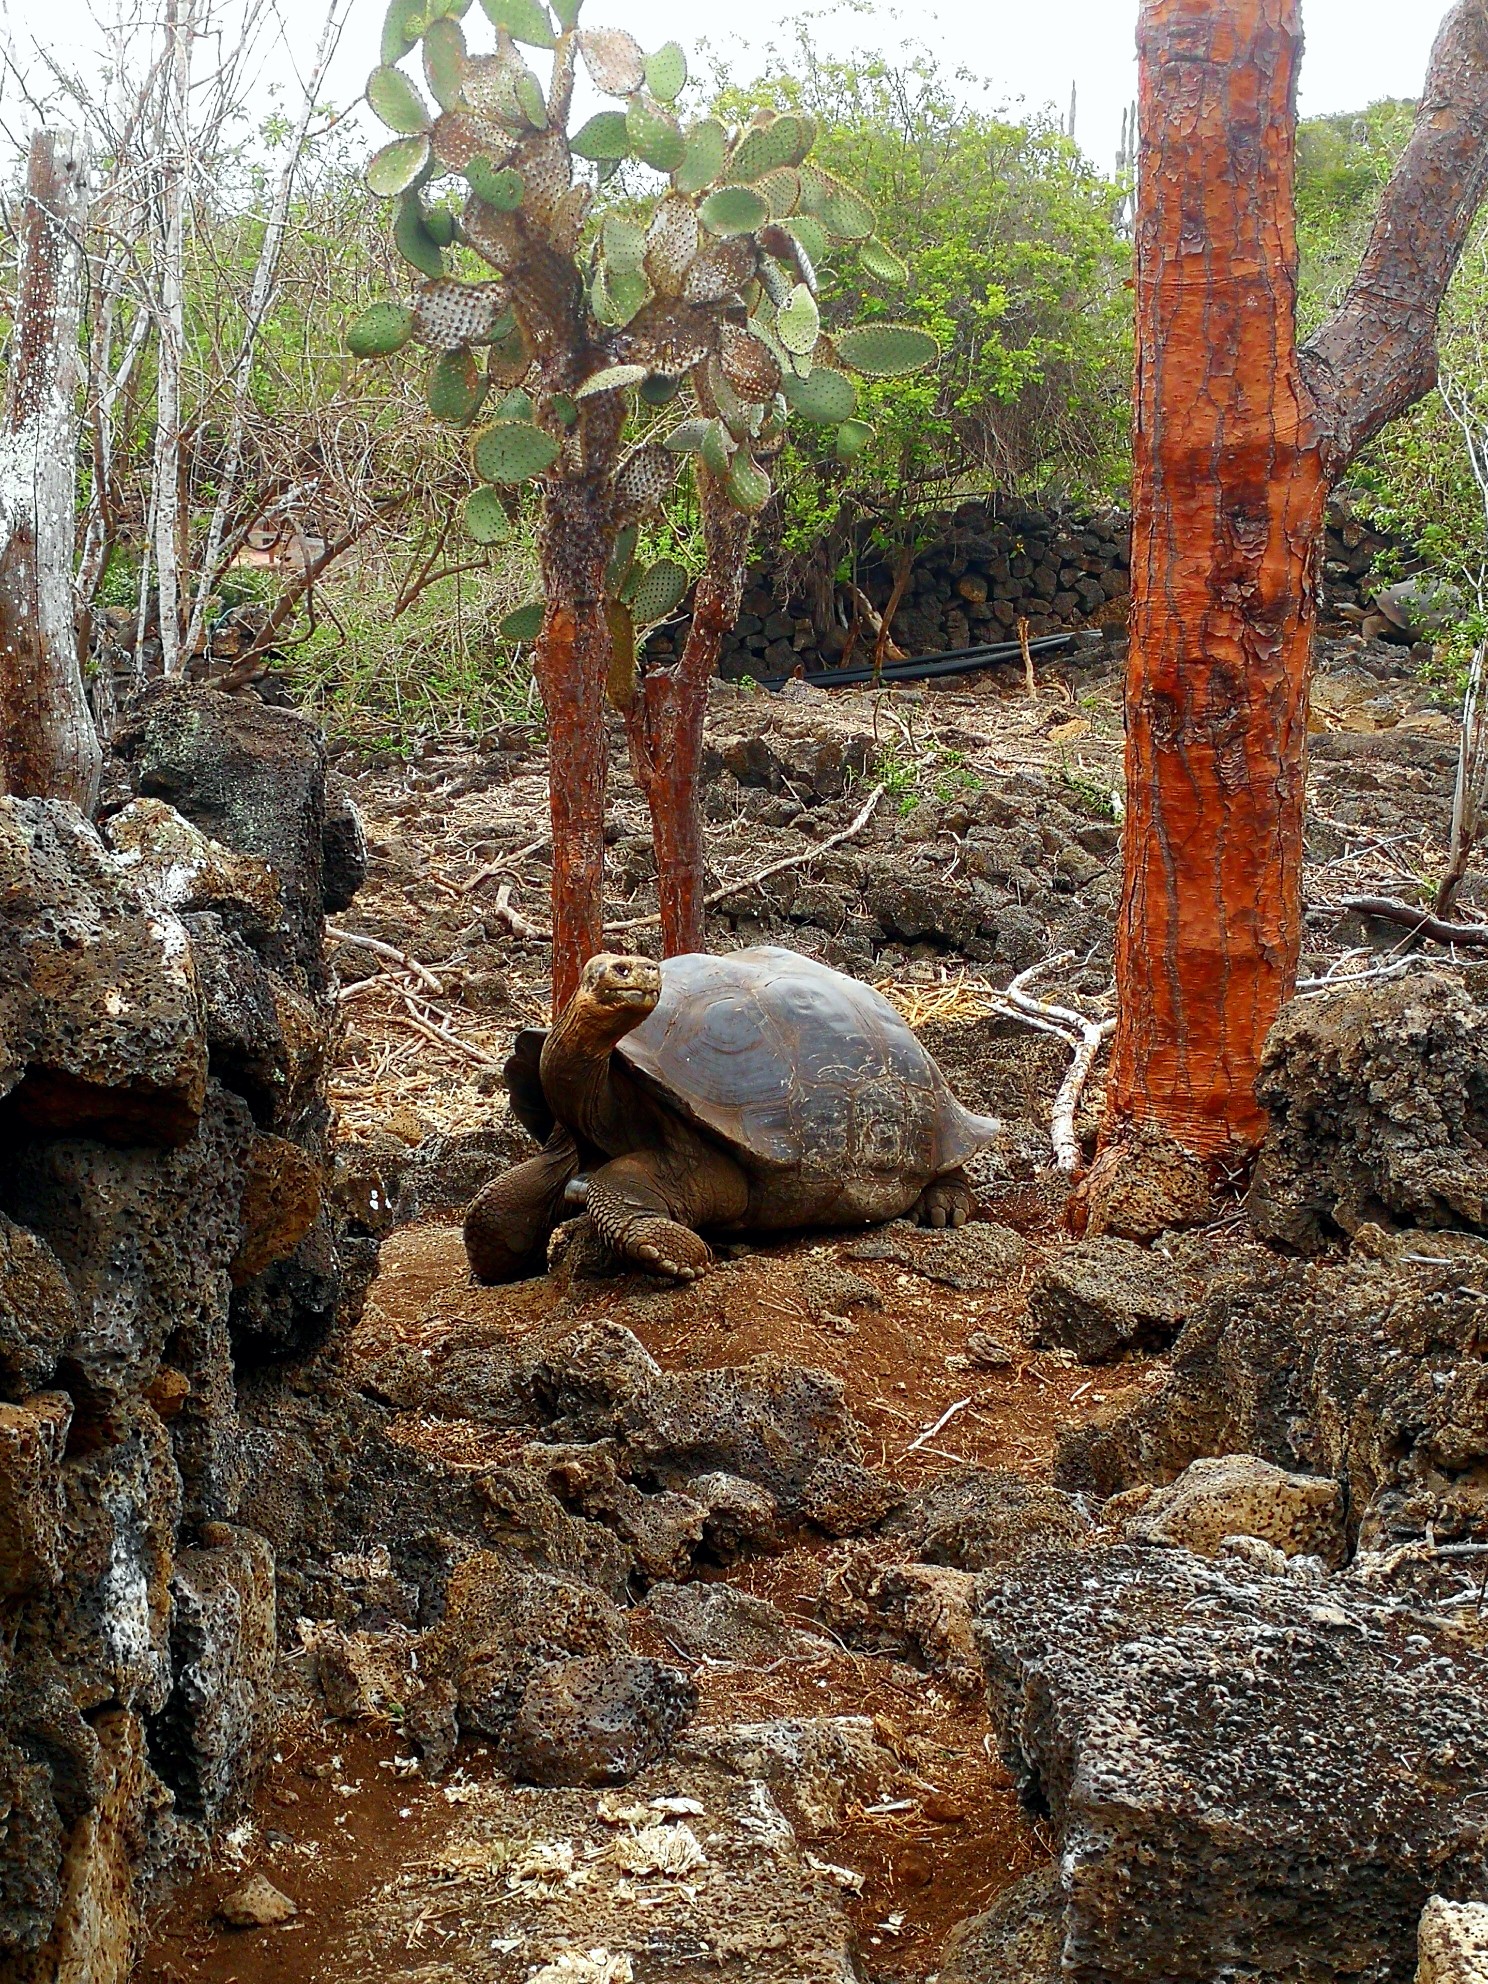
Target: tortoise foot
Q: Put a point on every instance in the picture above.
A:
(947, 1201)
(662, 1246)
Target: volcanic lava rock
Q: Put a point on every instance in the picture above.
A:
(1105, 1296)
(598, 1719)
(1237, 1495)
(1244, 1773)
(1378, 1100)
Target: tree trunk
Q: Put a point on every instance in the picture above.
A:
(665, 724)
(1239, 436)
(48, 745)
(572, 666)
(171, 324)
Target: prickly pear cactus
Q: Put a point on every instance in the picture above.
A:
(643, 279)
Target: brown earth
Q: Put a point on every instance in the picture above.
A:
(459, 873)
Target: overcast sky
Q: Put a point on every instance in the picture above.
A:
(1029, 51)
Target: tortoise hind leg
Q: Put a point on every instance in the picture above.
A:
(946, 1201)
(509, 1221)
(647, 1205)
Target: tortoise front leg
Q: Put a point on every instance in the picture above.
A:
(945, 1201)
(646, 1207)
(509, 1221)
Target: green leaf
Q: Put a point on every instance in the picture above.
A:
(401, 30)
(798, 322)
(604, 136)
(887, 351)
(655, 135)
(658, 592)
(764, 147)
(853, 437)
(881, 262)
(825, 396)
(380, 330)
(524, 20)
(412, 238)
(733, 210)
(394, 169)
(456, 386)
(486, 520)
(525, 622)
(748, 485)
(501, 188)
(397, 102)
(621, 559)
(513, 451)
(610, 380)
(666, 72)
(703, 154)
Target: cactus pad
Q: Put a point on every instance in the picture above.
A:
(412, 239)
(614, 59)
(671, 244)
(748, 364)
(380, 331)
(394, 169)
(766, 148)
(524, 20)
(604, 136)
(721, 270)
(825, 396)
(702, 159)
(513, 451)
(500, 187)
(658, 592)
(444, 61)
(396, 101)
(881, 262)
(846, 213)
(610, 380)
(455, 389)
(448, 314)
(887, 351)
(853, 437)
(524, 623)
(780, 190)
(655, 134)
(717, 448)
(748, 486)
(643, 478)
(687, 439)
(798, 323)
(485, 519)
(666, 72)
(734, 210)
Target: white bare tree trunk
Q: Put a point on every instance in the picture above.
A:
(48, 743)
(171, 321)
(261, 297)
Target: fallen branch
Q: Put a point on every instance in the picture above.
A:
(391, 953)
(716, 896)
(1086, 1036)
(518, 924)
(1419, 922)
(436, 1026)
(944, 1420)
(1312, 988)
(498, 867)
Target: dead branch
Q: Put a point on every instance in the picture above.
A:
(518, 924)
(716, 896)
(391, 953)
(1086, 1036)
(435, 1026)
(1420, 922)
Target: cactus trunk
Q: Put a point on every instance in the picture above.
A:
(665, 725)
(572, 664)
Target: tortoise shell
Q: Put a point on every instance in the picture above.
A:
(801, 1071)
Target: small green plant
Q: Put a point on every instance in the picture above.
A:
(1093, 795)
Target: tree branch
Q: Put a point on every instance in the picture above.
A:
(1377, 354)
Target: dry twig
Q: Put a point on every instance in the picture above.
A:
(391, 953)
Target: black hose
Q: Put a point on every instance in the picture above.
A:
(960, 661)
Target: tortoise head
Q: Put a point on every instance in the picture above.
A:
(615, 994)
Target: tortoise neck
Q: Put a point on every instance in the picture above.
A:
(577, 1069)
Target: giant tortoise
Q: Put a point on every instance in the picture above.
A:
(750, 1093)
